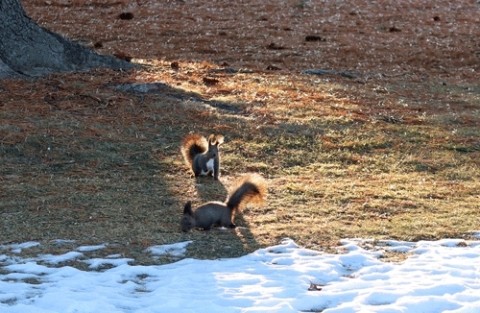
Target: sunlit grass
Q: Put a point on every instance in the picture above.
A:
(338, 163)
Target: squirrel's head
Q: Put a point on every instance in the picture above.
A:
(187, 222)
(214, 141)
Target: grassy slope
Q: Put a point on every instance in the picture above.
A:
(382, 156)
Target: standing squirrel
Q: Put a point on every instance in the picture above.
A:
(250, 189)
(202, 155)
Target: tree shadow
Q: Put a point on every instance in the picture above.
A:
(159, 88)
(107, 156)
(217, 242)
(209, 189)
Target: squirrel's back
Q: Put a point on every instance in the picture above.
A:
(250, 189)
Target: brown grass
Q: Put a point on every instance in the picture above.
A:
(391, 153)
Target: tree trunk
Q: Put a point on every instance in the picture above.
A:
(26, 49)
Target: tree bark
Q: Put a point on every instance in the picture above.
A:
(26, 49)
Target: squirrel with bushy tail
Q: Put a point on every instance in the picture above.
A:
(250, 189)
(202, 154)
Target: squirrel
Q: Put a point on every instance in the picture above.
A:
(250, 189)
(202, 155)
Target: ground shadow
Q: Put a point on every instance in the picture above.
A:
(209, 189)
(217, 242)
(92, 169)
(159, 88)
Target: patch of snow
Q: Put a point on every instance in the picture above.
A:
(56, 259)
(91, 248)
(97, 263)
(18, 248)
(63, 241)
(176, 249)
(436, 276)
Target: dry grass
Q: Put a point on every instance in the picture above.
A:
(392, 153)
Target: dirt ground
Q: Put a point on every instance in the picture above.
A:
(372, 37)
(381, 141)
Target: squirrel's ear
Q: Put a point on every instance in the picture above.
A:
(211, 139)
(187, 209)
(219, 139)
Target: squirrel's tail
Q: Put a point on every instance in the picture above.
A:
(192, 145)
(251, 189)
